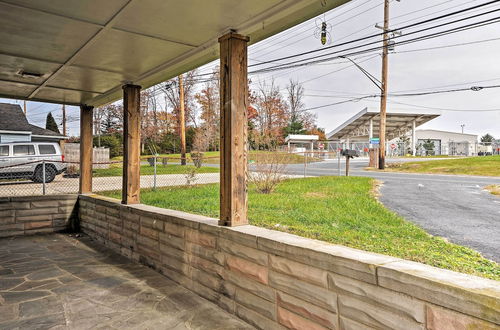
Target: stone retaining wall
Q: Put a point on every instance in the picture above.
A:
(36, 214)
(275, 280)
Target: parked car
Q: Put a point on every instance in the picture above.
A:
(23, 160)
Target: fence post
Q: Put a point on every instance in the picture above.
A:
(338, 156)
(43, 177)
(305, 164)
(154, 177)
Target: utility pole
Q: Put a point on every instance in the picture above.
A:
(24, 107)
(463, 125)
(182, 121)
(383, 95)
(64, 119)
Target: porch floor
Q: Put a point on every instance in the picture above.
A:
(62, 282)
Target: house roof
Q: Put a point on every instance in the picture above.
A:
(83, 51)
(12, 118)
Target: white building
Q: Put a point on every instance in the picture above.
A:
(446, 143)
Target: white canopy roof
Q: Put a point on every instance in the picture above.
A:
(298, 138)
(398, 122)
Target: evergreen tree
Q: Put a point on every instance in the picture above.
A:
(487, 138)
(51, 124)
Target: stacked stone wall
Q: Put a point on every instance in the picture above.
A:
(275, 280)
(36, 214)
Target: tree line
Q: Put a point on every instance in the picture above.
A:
(273, 113)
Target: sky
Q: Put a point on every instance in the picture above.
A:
(413, 68)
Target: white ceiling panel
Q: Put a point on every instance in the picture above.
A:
(95, 11)
(193, 22)
(63, 95)
(88, 79)
(11, 68)
(127, 52)
(89, 48)
(27, 33)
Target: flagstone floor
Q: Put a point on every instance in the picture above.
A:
(62, 282)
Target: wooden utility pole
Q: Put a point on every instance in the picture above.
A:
(64, 119)
(383, 96)
(182, 121)
(24, 107)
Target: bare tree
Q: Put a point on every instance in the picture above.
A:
(295, 99)
(208, 98)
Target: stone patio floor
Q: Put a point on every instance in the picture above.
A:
(62, 282)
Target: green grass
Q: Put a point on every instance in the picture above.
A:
(339, 210)
(487, 165)
(149, 170)
(212, 157)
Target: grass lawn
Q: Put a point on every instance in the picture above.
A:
(149, 170)
(487, 165)
(212, 157)
(339, 210)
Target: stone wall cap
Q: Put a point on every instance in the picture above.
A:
(478, 285)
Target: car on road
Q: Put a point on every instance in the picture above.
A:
(24, 160)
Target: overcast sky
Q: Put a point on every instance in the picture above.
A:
(475, 64)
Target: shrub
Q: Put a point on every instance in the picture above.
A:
(269, 170)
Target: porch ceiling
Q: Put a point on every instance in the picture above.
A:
(85, 50)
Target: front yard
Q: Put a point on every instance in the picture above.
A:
(213, 157)
(117, 170)
(339, 210)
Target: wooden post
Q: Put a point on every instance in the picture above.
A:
(131, 144)
(182, 120)
(86, 116)
(233, 130)
(347, 158)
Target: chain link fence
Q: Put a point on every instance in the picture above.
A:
(50, 177)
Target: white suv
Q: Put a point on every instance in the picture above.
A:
(23, 160)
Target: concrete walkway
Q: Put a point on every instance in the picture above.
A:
(61, 282)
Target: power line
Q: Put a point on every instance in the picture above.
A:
(392, 30)
(356, 99)
(364, 51)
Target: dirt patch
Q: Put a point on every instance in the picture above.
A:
(494, 189)
(375, 191)
(315, 194)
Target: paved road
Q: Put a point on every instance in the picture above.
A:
(454, 207)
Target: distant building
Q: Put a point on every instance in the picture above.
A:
(446, 143)
(14, 127)
(300, 143)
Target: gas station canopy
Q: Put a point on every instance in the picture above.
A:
(398, 123)
(83, 51)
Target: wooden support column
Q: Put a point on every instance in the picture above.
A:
(131, 144)
(233, 130)
(86, 150)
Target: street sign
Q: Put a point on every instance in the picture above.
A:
(374, 141)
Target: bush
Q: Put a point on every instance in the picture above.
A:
(270, 170)
(197, 158)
